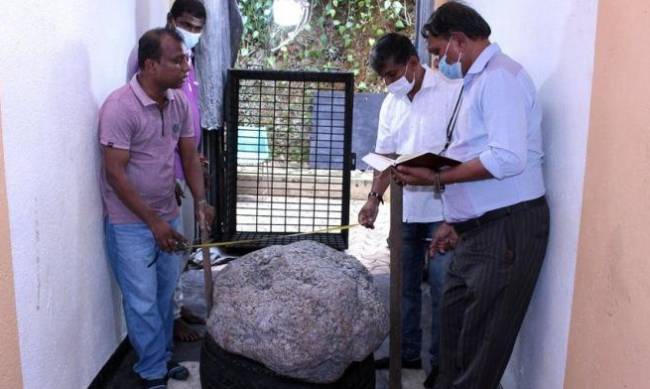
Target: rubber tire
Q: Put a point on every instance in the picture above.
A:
(221, 369)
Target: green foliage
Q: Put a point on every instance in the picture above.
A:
(338, 36)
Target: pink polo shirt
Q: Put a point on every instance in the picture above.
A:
(191, 89)
(131, 120)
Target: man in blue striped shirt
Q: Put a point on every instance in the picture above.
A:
(494, 204)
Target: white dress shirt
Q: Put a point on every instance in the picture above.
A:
(499, 123)
(407, 127)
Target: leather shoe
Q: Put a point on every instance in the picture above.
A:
(382, 363)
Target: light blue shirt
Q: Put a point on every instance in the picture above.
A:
(499, 122)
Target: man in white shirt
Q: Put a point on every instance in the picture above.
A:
(494, 201)
(412, 120)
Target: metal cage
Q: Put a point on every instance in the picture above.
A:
(287, 147)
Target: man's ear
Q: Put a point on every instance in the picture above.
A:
(461, 39)
(170, 21)
(149, 65)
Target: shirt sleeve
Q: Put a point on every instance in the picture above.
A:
(115, 126)
(505, 107)
(386, 137)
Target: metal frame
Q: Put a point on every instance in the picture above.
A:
(226, 227)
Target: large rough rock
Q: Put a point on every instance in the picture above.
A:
(304, 310)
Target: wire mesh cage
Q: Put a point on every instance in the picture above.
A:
(287, 157)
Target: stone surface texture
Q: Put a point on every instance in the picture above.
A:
(303, 310)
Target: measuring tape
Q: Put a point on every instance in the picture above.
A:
(236, 242)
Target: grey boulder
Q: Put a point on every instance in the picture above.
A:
(303, 310)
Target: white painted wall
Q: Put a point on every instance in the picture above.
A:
(59, 59)
(554, 40)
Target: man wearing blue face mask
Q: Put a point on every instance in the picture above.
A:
(412, 120)
(494, 202)
(188, 18)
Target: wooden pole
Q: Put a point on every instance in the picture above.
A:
(207, 269)
(395, 239)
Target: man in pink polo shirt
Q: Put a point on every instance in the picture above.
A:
(188, 18)
(141, 125)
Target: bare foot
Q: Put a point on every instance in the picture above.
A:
(184, 333)
(190, 318)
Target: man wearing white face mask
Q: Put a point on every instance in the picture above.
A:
(188, 18)
(412, 119)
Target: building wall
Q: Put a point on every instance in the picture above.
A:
(554, 40)
(610, 342)
(10, 373)
(58, 61)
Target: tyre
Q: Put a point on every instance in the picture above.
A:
(221, 369)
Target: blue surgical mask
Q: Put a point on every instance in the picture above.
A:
(453, 71)
(190, 39)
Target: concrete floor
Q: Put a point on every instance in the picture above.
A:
(369, 246)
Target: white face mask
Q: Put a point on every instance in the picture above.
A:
(401, 87)
(190, 39)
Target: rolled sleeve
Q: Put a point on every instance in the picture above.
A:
(505, 111)
(115, 126)
(386, 137)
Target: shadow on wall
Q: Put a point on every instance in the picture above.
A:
(565, 103)
(142, 22)
(142, 17)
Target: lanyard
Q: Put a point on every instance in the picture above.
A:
(452, 120)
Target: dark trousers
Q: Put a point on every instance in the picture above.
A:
(486, 293)
(413, 252)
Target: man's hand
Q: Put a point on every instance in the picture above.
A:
(444, 238)
(179, 193)
(413, 175)
(368, 213)
(166, 237)
(203, 160)
(204, 214)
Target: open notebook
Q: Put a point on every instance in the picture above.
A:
(428, 160)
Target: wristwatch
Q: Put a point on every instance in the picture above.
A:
(377, 195)
(438, 187)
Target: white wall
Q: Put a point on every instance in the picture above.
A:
(554, 40)
(59, 59)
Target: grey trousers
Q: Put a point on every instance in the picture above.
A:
(485, 297)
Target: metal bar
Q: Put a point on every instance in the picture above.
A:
(207, 269)
(290, 75)
(287, 157)
(347, 152)
(395, 337)
(230, 159)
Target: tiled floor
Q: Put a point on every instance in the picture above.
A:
(369, 246)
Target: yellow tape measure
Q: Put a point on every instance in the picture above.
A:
(236, 242)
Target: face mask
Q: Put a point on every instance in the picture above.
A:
(401, 87)
(189, 38)
(452, 71)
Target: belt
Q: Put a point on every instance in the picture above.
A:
(497, 214)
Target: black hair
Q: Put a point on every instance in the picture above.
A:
(455, 16)
(391, 48)
(149, 44)
(192, 7)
